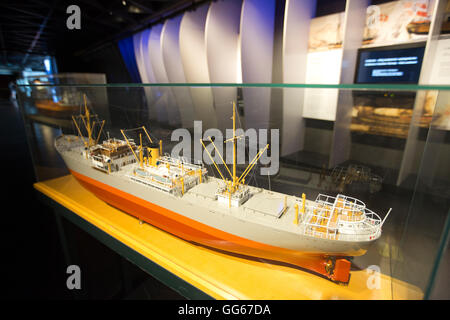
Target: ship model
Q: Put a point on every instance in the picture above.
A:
(355, 177)
(64, 108)
(223, 213)
(422, 20)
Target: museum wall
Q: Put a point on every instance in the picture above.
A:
(223, 54)
(194, 57)
(292, 41)
(174, 68)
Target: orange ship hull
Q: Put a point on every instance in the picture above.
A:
(55, 109)
(199, 233)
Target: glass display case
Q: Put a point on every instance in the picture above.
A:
(364, 165)
(54, 102)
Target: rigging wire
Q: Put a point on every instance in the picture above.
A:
(239, 116)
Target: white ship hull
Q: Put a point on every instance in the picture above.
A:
(198, 217)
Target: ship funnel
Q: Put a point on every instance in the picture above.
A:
(153, 154)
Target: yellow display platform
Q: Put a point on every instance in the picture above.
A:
(219, 275)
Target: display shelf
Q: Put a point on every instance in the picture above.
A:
(198, 272)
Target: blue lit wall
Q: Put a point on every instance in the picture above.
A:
(126, 48)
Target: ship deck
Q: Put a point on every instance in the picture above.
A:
(264, 206)
(197, 272)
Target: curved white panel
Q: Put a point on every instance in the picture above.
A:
(138, 55)
(165, 99)
(257, 36)
(222, 43)
(193, 55)
(156, 58)
(140, 45)
(150, 76)
(297, 18)
(174, 69)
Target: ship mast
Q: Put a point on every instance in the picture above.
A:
(88, 122)
(234, 146)
(233, 185)
(86, 119)
(141, 153)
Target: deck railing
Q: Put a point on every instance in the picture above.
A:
(340, 218)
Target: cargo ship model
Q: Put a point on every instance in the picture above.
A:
(226, 214)
(56, 109)
(65, 107)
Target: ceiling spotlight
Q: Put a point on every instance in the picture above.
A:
(134, 9)
(124, 2)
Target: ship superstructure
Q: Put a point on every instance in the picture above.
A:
(111, 155)
(179, 197)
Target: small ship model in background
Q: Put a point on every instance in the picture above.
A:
(55, 109)
(355, 177)
(67, 104)
(180, 198)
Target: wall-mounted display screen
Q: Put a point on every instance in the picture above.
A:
(389, 65)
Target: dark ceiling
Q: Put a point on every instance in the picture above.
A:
(38, 27)
(30, 29)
